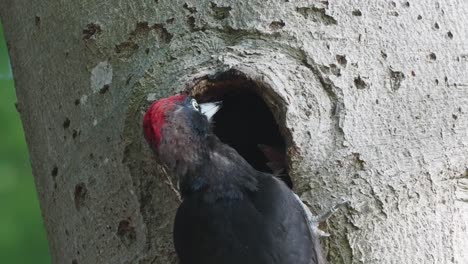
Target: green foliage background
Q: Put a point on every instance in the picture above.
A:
(22, 234)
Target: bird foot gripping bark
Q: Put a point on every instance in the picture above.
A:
(314, 221)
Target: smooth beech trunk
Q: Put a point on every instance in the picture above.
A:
(371, 96)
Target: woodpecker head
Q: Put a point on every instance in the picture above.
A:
(176, 128)
(177, 111)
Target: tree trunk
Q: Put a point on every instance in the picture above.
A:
(370, 96)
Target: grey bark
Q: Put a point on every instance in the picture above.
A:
(373, 96)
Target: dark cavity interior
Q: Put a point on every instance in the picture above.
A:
(245, 122)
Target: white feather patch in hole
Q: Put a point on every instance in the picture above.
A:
(210, 109)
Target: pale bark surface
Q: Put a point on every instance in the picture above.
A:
(373, 96)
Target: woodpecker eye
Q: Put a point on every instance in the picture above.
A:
(195, 105)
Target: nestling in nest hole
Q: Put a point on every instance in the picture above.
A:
(245, 121)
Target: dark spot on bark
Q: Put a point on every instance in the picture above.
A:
(446, 79)
(37, 21)
(359, 162)
(419, 17)
(220, 12)
(393, 4)
(396, 78)
(74, 261)
(335, 70)
(341, 59)
(170, 20)
(164, 35)
(432, 56)
(437, 81)
(450, 35)
(357, 12)
(80, 195)
(147, 50)
(91, 31)
(66, 123)
(9, 47)
(383, 54)
(275, 25)
(454, 116)
(104, 89)
(394, 13)
(317, 15)
(436, 25)
(413, 73)
(126, 232)
(407, 4)
(126, 154)
(129, 78)
(142, 28)
(191, 23)
(77, 101)
(54, 171)
(360, 83)
(376, 101)
(75, 133)
(156, 1)
(126, 47)
(192, 10)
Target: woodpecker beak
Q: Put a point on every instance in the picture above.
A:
(210, 109)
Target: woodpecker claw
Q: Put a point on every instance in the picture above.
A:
(324, 215)
(321, 233)
(314, 221)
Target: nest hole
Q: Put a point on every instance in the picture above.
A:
(245, 121)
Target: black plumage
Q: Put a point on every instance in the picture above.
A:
(231, 213)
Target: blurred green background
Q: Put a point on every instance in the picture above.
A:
(22, 234)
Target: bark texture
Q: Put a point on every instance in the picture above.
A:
(372, 96)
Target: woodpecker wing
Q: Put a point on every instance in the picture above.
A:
(267, 226)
